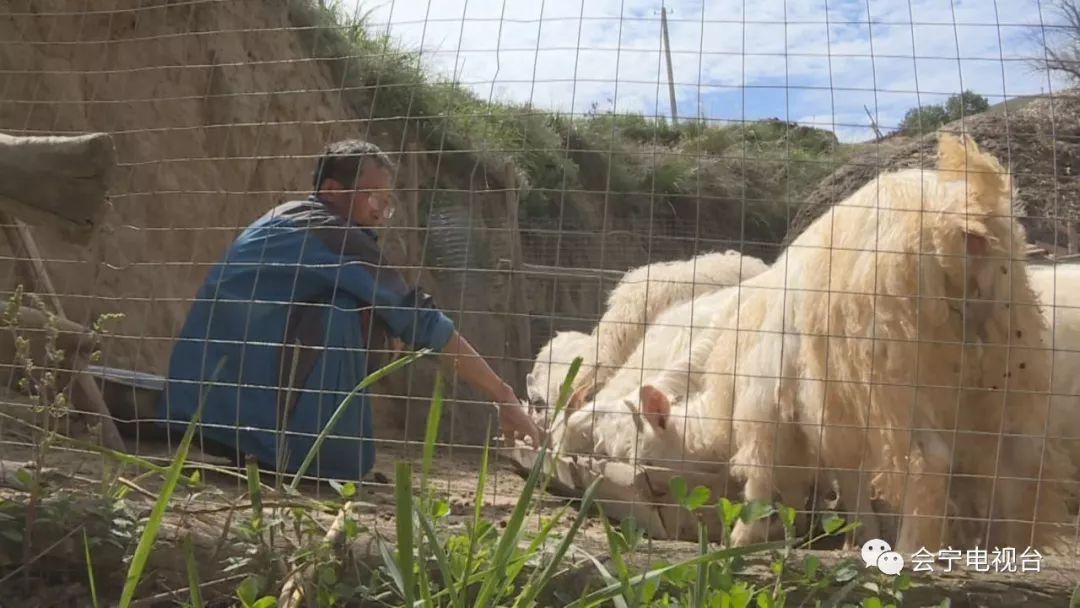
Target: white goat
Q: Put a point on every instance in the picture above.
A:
(636, 301)
(669, 366)
(1058, 289)
(552, 364)
(898, 335)
(646, 291)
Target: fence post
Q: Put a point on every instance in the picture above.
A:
(411, 221)
(520, 333)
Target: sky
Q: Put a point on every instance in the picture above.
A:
(820, 63)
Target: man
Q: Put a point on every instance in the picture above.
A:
(298, 308)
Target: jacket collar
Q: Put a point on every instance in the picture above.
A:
(315, 198)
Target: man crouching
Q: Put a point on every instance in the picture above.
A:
(299, 308)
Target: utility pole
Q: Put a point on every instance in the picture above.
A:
(873, 123)
(670, 76)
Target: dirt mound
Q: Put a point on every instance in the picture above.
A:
(217, 110)
(1039, 142)
(206, 140)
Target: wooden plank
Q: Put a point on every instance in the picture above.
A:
(60, 181)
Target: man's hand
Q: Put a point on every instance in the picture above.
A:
(397, 348)
(515, 421)
(471, 367)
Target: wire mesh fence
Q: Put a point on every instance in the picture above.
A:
(786, 282)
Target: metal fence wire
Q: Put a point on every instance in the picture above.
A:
(816, 258)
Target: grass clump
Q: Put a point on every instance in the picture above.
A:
(632, 159)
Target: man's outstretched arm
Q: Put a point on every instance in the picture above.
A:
(475, 371)
(416, 321)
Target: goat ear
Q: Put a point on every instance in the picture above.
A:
(977, 236)
(952, 154)
(655, 406)
(577, 399)
(529, 381)
(977, 244)
(988, 183)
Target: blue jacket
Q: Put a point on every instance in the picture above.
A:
(303, 277)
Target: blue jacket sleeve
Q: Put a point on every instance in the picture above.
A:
(410, 315)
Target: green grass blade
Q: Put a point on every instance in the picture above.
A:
(567, 387)
(149, 535)
(432, 432)
(615, 549)
(616, 589)
(194, 587)
(391, 564)
(837, 598)
(120, 457)
(504, 569)
(481, 484)
(90, 569)
(425, 502)
(403, 498)
(505, 548)
(255, 492)
(702, 568)
(617, 599)
(441, 560)
(423, 581)
(340, 411)
(518, 564)
(534, 588)
(560, 405)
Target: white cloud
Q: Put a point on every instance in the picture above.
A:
(805, 60)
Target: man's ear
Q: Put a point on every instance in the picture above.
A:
(331, 186)
(655, 406)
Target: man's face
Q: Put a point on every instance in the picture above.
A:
(369, 203)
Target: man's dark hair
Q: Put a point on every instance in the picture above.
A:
(344, 160)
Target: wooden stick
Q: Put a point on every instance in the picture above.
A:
(292, 592)
(85, 395)
(155, 600)
(28, 263)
